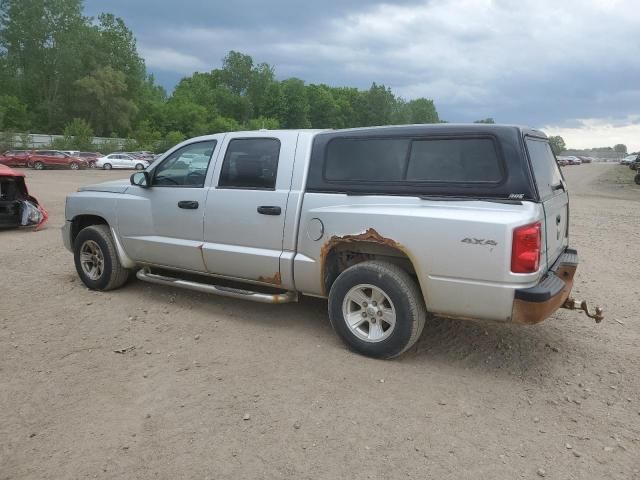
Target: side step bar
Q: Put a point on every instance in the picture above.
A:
(286, 297)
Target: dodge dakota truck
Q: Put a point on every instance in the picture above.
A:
(390, 224)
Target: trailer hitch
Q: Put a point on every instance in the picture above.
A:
(573, 304)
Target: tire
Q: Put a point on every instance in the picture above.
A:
(107, 166)
(139, 166)
(637, 179)
(38, 166)
(402, 296)
(96, 241)
(74, 166)
(92, 164)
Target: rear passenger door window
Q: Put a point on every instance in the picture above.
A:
(250, 163)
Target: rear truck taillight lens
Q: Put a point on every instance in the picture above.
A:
(525, 250)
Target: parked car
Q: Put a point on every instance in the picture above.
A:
(573, 160)
(387, 223)
(15, 158)
(121, 160)
(562, 161)
(585, 159)
(635, 164)
(628, 159)
(17, 207)
(90, 157)
(41, 159)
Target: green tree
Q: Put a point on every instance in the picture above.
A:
(323, 108)
(263, 123)
(423, 110)
(146, 136)
(557, 144)
(485, 120)
(236, 72)
(103, 99)
(13, 113)
(620, 148)
(378, 106)
(78, 135)
(296, 106)
(41, 39)
(181, 115)
(170, 140)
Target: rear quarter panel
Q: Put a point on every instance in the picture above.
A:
(461, 250)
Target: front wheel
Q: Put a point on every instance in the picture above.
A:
(74, 166)
(96, 259)
(107, 166)
(38, 166)
(637, 179)
(139, 166)
(377, 309)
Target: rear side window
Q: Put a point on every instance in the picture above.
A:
(459, 160)
(366, 159)
(545, 167)
(250, 163)
(451, 160)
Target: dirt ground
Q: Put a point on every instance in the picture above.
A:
(224, 389)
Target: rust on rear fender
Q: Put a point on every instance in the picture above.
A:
(370, 236)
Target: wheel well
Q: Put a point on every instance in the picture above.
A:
(84, 221)
(346, 254)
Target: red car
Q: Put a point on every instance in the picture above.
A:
(41, 159)
(15, 158)
(17, 207)
(90, 157)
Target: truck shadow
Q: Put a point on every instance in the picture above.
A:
(487, 347)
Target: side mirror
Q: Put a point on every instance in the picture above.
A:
(141, 179)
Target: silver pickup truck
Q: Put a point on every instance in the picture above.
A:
(391, 224)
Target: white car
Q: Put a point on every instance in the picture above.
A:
(121, 160)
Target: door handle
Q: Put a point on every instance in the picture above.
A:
(558, 220)
(188, 204)
(269, 210)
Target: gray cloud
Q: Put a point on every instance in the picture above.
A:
(536, 62)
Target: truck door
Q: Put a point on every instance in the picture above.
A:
(245, 207)
(162, 225)
(553, 194)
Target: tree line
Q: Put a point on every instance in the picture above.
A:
(62, 72)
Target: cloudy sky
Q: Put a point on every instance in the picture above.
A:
(571, 67)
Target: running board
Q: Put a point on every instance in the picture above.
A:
(286, 297)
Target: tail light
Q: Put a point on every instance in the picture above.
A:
(525, 250)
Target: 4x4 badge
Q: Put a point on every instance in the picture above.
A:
(479, 241)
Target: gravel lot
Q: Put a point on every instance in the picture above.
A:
(224, 389)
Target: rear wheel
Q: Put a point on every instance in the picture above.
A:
(377, 309)
(107, 166)
(96, 259)
(637, 179)
(92, 164)
(38, 166)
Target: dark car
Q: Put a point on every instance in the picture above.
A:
(586, 159)
(41, 159)
(15, 158)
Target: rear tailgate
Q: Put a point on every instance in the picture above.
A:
(553, 192)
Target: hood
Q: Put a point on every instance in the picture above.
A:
(114, 186)
(9, 172)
